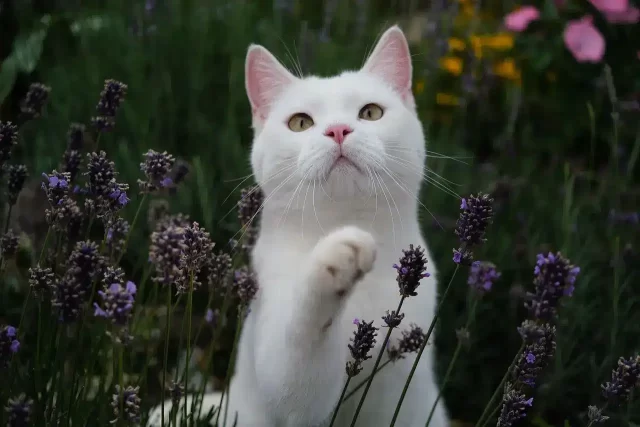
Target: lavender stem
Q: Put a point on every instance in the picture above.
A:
(375, 367)
(424, 345)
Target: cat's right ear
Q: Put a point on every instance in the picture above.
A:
(265, 79)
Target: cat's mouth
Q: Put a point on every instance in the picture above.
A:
(344, 163)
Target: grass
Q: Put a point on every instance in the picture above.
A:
(552, 154)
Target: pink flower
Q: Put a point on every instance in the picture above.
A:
(583, 40)
(610, 5)
(629, 16)
(520, 19)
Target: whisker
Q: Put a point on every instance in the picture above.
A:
(313, 200)
(256, 188)
(393, 229)
(417, 199)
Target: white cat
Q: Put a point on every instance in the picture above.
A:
(340, 160)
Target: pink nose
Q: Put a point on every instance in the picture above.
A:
(338, 132)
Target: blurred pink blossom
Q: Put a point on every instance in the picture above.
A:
(559, 3)
(583, 40)
(628, 16)
(520, 19)
(610, 5)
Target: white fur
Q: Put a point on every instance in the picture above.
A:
(329, 237)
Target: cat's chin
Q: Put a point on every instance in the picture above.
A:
(344, 165)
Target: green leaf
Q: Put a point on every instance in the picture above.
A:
(8, 74)
(27, 48)
(539, 422)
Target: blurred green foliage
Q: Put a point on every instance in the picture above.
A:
(555, 148)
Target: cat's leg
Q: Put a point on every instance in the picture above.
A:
(300, 350)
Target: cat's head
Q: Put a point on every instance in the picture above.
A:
(350, 134)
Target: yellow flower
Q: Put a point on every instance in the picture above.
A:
(502, 41)
(419, 87)
(476, 44)
(447, 99)
(507, 69)
(456, 44)
(451, 64)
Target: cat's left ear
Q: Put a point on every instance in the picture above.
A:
(391, 62)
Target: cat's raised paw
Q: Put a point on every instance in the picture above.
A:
(344, 257)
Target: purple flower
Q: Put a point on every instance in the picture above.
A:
(8, 139)
(117, 303)
(540, 347)
(364, 338)
(156, 168)
(412, 269)
(19, 411)
(131, 405)
(411, 342)
(35, 100)
(8, 244)
(356, 321)
(111, 97)
(482, 275)
(16, 179)
(165, 253)
(514, 406)
(9, 345)
(120, 196)
(555, 277)
(624, 379)
(475, 216)
(251, 200)
(245, 285)
(211, 316)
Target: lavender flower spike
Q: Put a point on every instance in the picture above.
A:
(19, 411)
(482, 276)
(9, 345)
(555, 277)
(117, 303)
(8, 139)
(412, 269)
(475, 218)
(514, 406)
(361, 345)
(624, 379)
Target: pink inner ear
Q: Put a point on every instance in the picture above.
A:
(391, 61)
(265, 79)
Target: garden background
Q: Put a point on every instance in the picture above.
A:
(553, 137)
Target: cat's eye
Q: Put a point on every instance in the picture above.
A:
(371, 112)
(300, 122)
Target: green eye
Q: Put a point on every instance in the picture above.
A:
(371, 112)
(300, 122)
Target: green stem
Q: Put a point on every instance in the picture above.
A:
(121, 381)
(366, 380)
(166, 351)
(422, 347)
(456, 353)
(230, 368)
(133, 224)
(491, 415)
(216, 336)
(8, 219)
(375, 367)
(186, 366)
(500, 387)
(344, 391)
